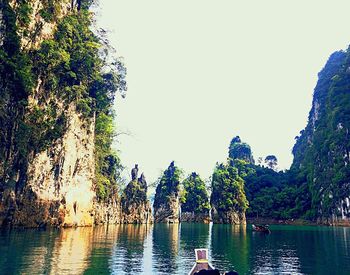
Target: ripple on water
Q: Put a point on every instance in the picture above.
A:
(163, 249)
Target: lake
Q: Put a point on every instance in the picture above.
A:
(169, 249)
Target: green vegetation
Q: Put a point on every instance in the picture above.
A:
(271, 161)
(68, 69)
(134, 193)
(270, 194)
(168, 186)
(317, 185)
(194, 197)
(16, 82)
(321, 153)
(240, 150)
(228, 189)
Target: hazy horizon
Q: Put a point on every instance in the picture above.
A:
(200, 73)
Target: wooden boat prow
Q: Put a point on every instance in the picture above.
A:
(202, 261)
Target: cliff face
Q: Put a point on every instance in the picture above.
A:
(135, 206)
(59, 186)
(228, 217)
(321, 153)
(166, 202)
(52, 97)
(108, 212)
(168, 212)
(195, 217)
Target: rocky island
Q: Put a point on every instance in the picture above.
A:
(166, 202)
(134, 203)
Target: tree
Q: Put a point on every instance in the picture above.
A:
(228, 189)
(240, 150)
(168, 186)
(271, 161)
(194, 197)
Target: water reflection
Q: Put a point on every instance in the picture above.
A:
(103, 241)
(273, 254)
(230, 247)
(164, 248)
(28, 251)
(72, 249)
(192, 236)
(127, 255)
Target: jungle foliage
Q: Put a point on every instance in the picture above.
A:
(194, 197)
(168, 186)
(321, 153)
(317, 185)
(71, 68)
(228, 189)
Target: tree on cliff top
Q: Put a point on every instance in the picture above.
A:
(240, 150)
(271, 161)
(169, 185)
(228, 189)
(135, 191)
(195, 196)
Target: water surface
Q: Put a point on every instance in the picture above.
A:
(169, 249)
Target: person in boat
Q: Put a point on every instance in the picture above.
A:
(261, 228)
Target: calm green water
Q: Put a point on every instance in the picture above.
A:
(162, 248)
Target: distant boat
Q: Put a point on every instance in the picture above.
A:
(261, 228)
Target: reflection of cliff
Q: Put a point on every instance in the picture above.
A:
(165, 247)
(103, 242)
(18, 248)
(276, 252)
(230, 247)
(72, 251)
(128, 251)
(51, 252)
(194, 236)
(317, 250)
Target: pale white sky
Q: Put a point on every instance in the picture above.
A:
(201, 72)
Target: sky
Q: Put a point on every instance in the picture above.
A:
(201, 72)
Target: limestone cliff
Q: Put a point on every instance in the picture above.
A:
(108, 212)
(230, 217)
(166, 202)
(321, 153)
(59, 186)
(195, 217)
(54, 108)
(136, 207)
